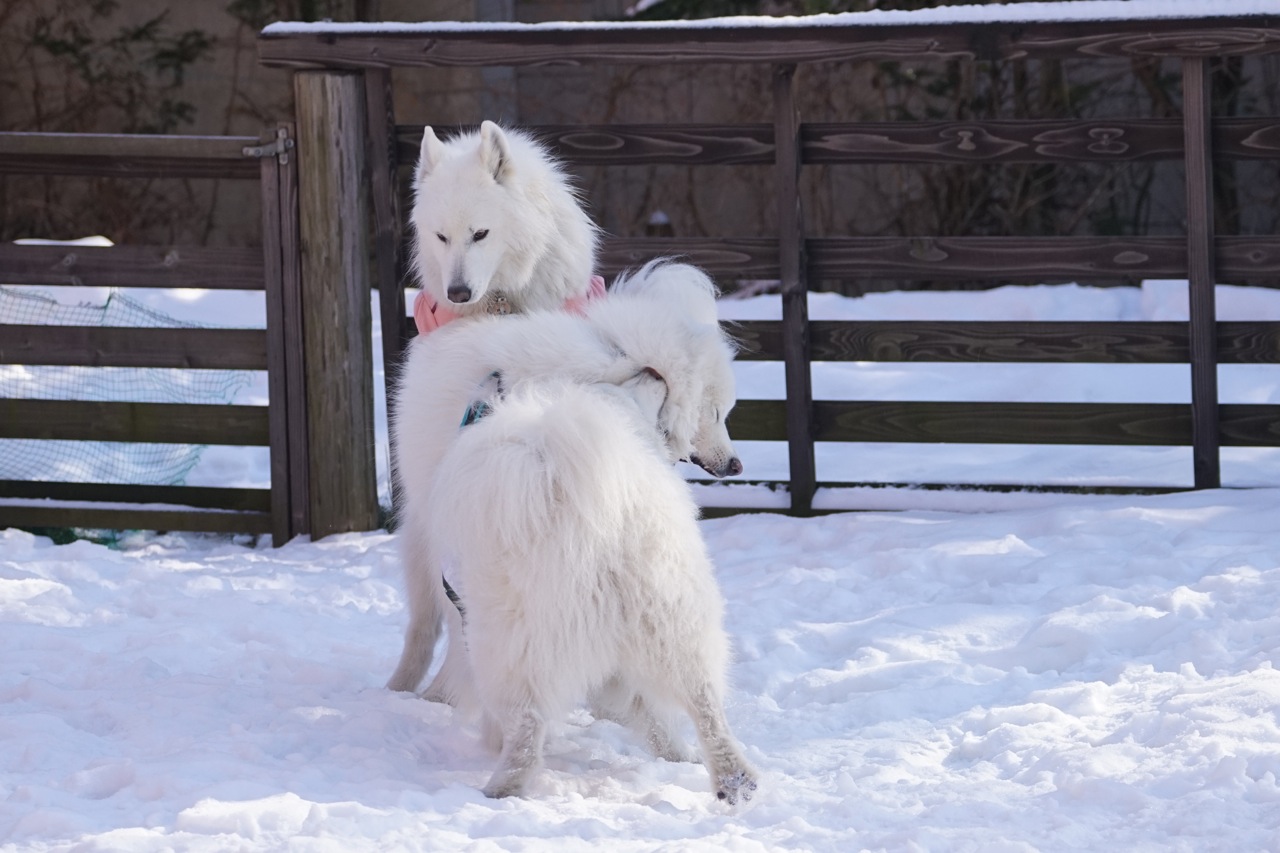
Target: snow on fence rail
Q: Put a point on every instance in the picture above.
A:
(1175, 28)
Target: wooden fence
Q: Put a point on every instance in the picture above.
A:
(283, 510)
(365, 54)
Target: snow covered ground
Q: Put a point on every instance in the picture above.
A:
(1079, 673)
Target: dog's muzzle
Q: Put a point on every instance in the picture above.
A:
(732, 467)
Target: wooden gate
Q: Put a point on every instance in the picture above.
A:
(281, 510)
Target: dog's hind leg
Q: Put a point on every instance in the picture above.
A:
(452, 685)
(422, 578)
(732, 778)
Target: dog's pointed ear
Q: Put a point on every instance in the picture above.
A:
(495, 152)
(430, 156)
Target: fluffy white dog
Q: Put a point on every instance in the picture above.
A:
(582, 571)
(498, 227)
(663, 318)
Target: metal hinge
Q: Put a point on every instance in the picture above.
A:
(278, 149)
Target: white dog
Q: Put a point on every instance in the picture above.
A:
(497, 227)
(662, 318)
(583, 573)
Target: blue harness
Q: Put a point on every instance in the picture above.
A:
(479, 408)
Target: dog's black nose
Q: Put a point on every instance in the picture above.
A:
(459, 293)
(733, 467)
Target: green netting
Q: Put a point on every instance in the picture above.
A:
(103, 461)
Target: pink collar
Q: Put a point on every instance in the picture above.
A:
(430, 315)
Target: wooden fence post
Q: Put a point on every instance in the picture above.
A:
(795, 292)
(337, 351)
(1196, 110)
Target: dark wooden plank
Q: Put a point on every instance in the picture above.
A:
(1030, 141)
(204, 497)
(1249, 425)
(1003, 423)
(1031, 259)
(336, 323)
(758, 420)
(740, 257)
(167, 423)
(994, 341)
(1197, 121)
(997, 341)
(134, 519)
(1006, 141)
(632, 144)
(1248, 343)
(127, 155)
(220, 268)
(109, 346)
(991, 259)
(792, 271)
(795, 42)
(1155, 424)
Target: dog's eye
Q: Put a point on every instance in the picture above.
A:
(480, 235)
(443, 239)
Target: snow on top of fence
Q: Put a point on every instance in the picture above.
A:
(1073, 10)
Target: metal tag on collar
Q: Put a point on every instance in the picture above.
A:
(499, 305)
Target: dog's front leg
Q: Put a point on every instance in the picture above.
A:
(523, 732)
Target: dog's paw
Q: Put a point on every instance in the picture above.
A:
(733, 788)
(501, 790)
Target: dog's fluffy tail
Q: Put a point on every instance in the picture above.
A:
(682, 285)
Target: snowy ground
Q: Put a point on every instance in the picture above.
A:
(1097, 675)
(1074, 674)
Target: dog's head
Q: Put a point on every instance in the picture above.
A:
(664, 316)
(700, 395)
(467, 229)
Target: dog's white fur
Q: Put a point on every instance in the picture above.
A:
(493, 212)
(583, 574)
(663, 318)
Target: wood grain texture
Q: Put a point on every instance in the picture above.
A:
(164, 423)
(1030, 141)
(793, 271)
(127, 155)
(109, 346)
(1197, 121)
(1006, 141)
(990, 341)
(1120, 424)
(134, 519)
(337, 355)
(750, 257)
(680, 43)
(220, 268)
(957, 258)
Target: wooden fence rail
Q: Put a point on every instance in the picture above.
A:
(796, 257)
